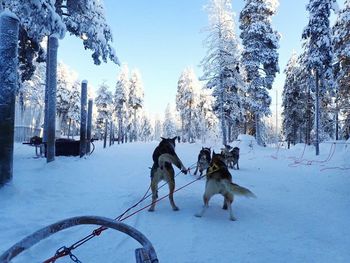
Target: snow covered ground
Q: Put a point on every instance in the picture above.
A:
(301, 214)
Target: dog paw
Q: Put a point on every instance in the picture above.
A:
(151, 209)
(197, 215)
(176, 208)
(232, 218)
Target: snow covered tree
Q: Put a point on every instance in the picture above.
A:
(37, 17)
(187, 102)
(169, 125)
(292, 103)
(31, 101)
(86, 20)
(68, 99)
(64, 84)
(74, 109)
(145, 132)
(29, 53)
(307, 88)
(319, 62)
(136, 97)
(104, 105)
(341, 41)
(259, 55)
(221, 63)
(158, 128)
(208, 122)
(121, 107)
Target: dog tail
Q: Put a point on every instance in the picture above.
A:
(235, 189)
(169, 158)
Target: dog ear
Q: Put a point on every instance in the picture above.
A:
(174, 139)
(162, 138)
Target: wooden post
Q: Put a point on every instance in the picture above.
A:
(105, 135)
(46, 100)
(83, 100)
(9, 26)
(51, 110)
(89, 126)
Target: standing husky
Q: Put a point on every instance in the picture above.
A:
(232, 158)
(219, 181)
(163, 156)
(204, 158)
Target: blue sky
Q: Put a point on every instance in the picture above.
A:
(162, 37)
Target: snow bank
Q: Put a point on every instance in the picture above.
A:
(301, 213)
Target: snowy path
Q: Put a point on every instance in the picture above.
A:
(301, 213)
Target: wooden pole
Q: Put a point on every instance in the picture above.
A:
(9, 26)
(51, 109)
(83, 112)
(89, 126)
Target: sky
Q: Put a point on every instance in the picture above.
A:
(163, 37)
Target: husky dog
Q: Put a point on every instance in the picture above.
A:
(163, 157)
(204, 158)
(219, 181)
(231, 156)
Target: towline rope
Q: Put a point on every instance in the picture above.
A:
(65, 251)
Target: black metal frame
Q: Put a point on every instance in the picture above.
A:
(146, 254)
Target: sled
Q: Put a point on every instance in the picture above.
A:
(146, 254)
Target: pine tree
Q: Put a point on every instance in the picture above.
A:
(121, 106)
(292, 101)
(319, 62)
(104, 105)
(86, 20)
(207, 119)
(169, 126)
(341, 41)
(221, 64)
(145, 128)
(187, 101)
(136, 97)
(259, 55)
(158, 129)
(74, 108)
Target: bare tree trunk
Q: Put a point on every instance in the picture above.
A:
(120, 126)
(9, 26)
(317, 114)
(308, 127)
(110, 133)
(222, 113)
(83, 103)
(257, 129)
(105, 135)
(51, 110)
